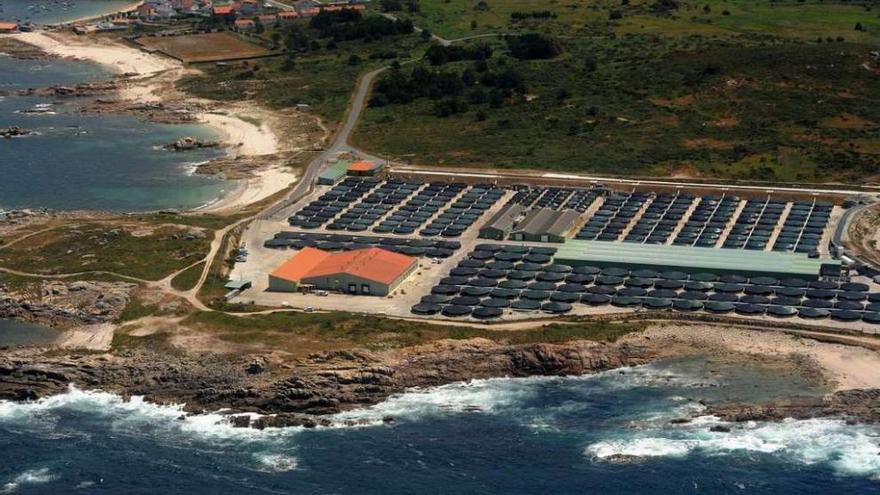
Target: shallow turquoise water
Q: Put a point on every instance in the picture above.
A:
(93, 162)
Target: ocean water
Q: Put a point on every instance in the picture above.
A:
(57, 11)
(499, 436)
(94, 162)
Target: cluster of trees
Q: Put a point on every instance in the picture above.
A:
(533, 46)
(454, 92)
(351, 25)
(438, 54)
(411, 6)
(662, 6)
(537, 14)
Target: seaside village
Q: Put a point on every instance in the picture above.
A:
(240, 15)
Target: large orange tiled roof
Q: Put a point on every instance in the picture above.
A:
(374, 264)
(297, 267)
(369, 263)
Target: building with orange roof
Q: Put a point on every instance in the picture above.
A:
(369, 271)
(222, 10)
(245, 24)
(364, 168)
(8, 27)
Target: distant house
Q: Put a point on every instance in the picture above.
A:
(267, 19)
(245, 24)
(223, 11)
(337, 7)
(183, 5)
(146, 11)
(156, 9)
(307, 8)
(287, 16)
(247, 7)
(8, 27)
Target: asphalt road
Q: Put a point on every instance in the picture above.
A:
(340, 144)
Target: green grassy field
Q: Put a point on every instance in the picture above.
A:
(807, 19)
(303, 333)
(743, 90)
(188, 278)
(323, 78)
(135, 250)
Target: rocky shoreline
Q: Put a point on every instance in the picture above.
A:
(858, 406)
(66, 305)
(306, 391)
(298, 393)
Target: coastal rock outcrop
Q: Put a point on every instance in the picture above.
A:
(67, 304)
(862, 405)
(14, 131)
(297, 394)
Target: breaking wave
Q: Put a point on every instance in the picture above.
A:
(846, 449)
(29, 477)
(170, 423)
(494, 395)
(486, 396)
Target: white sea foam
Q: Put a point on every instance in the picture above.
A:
(165, 422)
(189, 168)
(847, 449)
(275, 463)
(494, 395)
(29, 477)
(478, 396)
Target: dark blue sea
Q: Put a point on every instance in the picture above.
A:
(95, 162)
(499, 436)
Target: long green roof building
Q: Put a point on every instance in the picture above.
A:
(695, 259)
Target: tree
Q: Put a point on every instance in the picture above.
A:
(663, 6)
(590, 64)
(426, 35)
(533, 46)
(859, 27)
(354, 60)
(289, 62)
(391, 5)
(614, 15)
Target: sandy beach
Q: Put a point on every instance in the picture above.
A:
(151, 78)
(120, 58)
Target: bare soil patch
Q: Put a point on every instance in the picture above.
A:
(211, 47)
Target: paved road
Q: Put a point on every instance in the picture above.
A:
(488, 175)
(340, 144)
